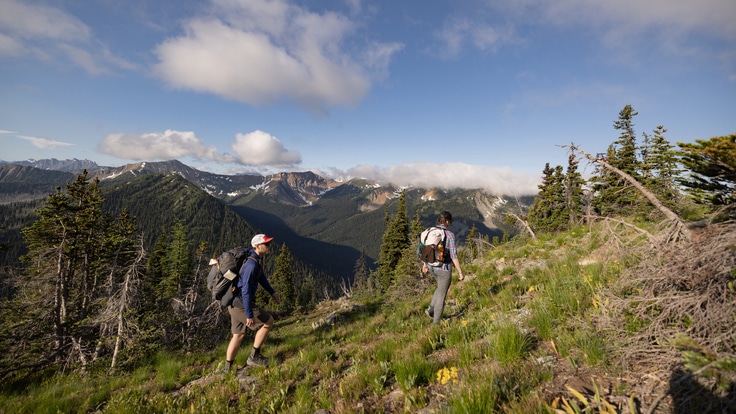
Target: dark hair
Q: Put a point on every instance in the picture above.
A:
(444, 218)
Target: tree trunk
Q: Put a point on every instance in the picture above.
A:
(679, 226)
(126, 293)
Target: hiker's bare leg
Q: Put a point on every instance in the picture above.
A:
(262, 333)
(232, 348)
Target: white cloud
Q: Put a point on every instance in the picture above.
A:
(51, 34)
(457, 32)
(622, 25)
(156, 146)
(29, 21)
(259, 52)
(259, 148)
(448, 175)
(43, 143)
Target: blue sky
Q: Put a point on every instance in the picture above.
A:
(450, 93)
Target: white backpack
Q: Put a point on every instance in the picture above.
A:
(432, 246)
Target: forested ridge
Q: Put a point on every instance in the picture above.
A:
(613, 296)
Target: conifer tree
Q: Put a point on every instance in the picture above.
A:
(573, 184)
(416, 226)
(712, 167)
(395, 240)
(612, 194)
(75, 250)
(306, 293)
(177, 261)
(360, 273)
(472, 236)
(659, 165)
(282, 280)
(548, 211)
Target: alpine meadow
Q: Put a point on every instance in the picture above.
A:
(612, 290)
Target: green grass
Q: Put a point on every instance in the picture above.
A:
(386, 352)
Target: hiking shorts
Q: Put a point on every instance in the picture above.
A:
(238, 319)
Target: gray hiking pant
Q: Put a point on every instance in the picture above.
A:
(443, 278)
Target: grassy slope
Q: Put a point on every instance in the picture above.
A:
(524, 328)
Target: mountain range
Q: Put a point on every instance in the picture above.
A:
(325, 223)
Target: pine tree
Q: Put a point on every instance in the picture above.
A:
(76, 253)
(306, 296)
(573, 184)
(712, 169)
(659, 163)
(360, 273)
(471, 238)
(395, 240)
(282, 280)
(548, 211)
(177, 261)
(612, 194)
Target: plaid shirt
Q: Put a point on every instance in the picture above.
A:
(449, 246)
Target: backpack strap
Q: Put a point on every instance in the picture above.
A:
(427, 233)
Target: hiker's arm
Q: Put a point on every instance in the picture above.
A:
(266, 285)
(452, 244)
(456, 262)
(245, 289)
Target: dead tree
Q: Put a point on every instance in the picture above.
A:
(524, 224)
(678, 230)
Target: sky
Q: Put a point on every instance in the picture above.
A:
(430, 93)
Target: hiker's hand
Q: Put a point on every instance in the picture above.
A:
(425, 269)
(276, 297)
(249, 322)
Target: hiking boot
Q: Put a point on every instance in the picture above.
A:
(429, 312)
(257, 361)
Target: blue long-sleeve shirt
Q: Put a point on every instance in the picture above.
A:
(251, 275)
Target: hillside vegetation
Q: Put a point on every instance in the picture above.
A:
(615, 295)
(591, 320)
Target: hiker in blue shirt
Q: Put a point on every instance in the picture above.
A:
(443, 272)
(244, 313)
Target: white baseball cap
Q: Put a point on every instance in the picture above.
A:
(260, 239)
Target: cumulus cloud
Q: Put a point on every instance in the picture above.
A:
(259, 148)
(43, 143)
(448, 175)
(50, 34)
(262, 51)
(165, 145)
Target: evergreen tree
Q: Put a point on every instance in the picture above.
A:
(659, 164)
(177, 261)
(711, 165)
(472, 239)
(395, 240)
(548, 211)
(573, 184)
(612, 194)
(416, 226)
(76, 253)
(360, 273)
(154, 274)
(282, 280)
(306, 296)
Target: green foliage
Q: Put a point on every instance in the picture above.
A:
(712, 167)
(395, 241)
(549, 212)
(79, 256)
(611, 192)
(282, 281)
